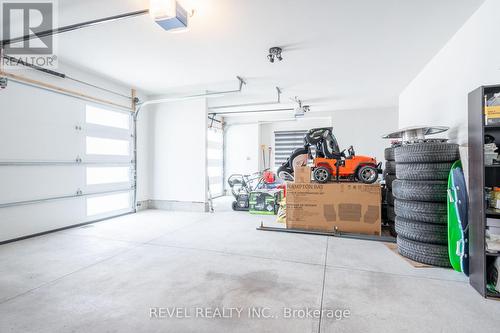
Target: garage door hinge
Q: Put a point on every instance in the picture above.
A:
(78, 160)
(79, 192)
(78, 128)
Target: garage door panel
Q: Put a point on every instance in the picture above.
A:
(19, 221)
(40, 122)
(39, 182)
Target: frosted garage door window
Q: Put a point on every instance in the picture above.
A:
(108, 203)
(215, 154)
(214, 171)
(215, 136)
(102, 146)
(104, 117)
(107, 175)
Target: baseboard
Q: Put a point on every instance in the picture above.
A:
(143, 205)
(183, 206)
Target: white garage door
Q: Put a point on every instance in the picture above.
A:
(63, 161)
(215, 159)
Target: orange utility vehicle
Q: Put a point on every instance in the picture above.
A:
(351, 167)
(329, 162)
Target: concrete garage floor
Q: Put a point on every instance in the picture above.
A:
(106, 277)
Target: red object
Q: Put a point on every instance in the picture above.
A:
(269, 177)
(282, 187)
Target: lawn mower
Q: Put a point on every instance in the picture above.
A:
(243, 186)
(329, 161)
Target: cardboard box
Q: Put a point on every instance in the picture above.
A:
(344, 207)
(302, 175)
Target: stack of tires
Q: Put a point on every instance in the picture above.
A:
(420, 190)
(389, 177)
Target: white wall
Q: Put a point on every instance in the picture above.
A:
(144, 156)
(241, 150)
(179, 138)
(438, 95)
(364, 128)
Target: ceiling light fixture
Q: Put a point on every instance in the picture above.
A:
(169, 15)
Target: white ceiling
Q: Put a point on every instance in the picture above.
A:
(338, 54)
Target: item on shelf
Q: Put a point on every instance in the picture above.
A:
(493, 226)
(492, 242)
(489, 139)
(493, 276)
(458, 221)
(490, 153)
(487, 196)
(495, 198)
(492, 109)
(264, 202)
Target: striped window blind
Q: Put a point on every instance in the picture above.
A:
(285, 142)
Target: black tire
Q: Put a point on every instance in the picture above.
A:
(423, 171)
(389, 198)
(296, 153)
(235, 206)
(430, 152)
(322, 175)
(427, 212)
(391, 215)
(367, 174)
(421, 231)
(389, 179)
(389, 154)
(392, 230)
(285, 173)
(276, 208)
(430, 190)
(390, 167)
(430, 254)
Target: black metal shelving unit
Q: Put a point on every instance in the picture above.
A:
(480, 176)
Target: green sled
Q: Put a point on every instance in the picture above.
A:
(458, 220)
